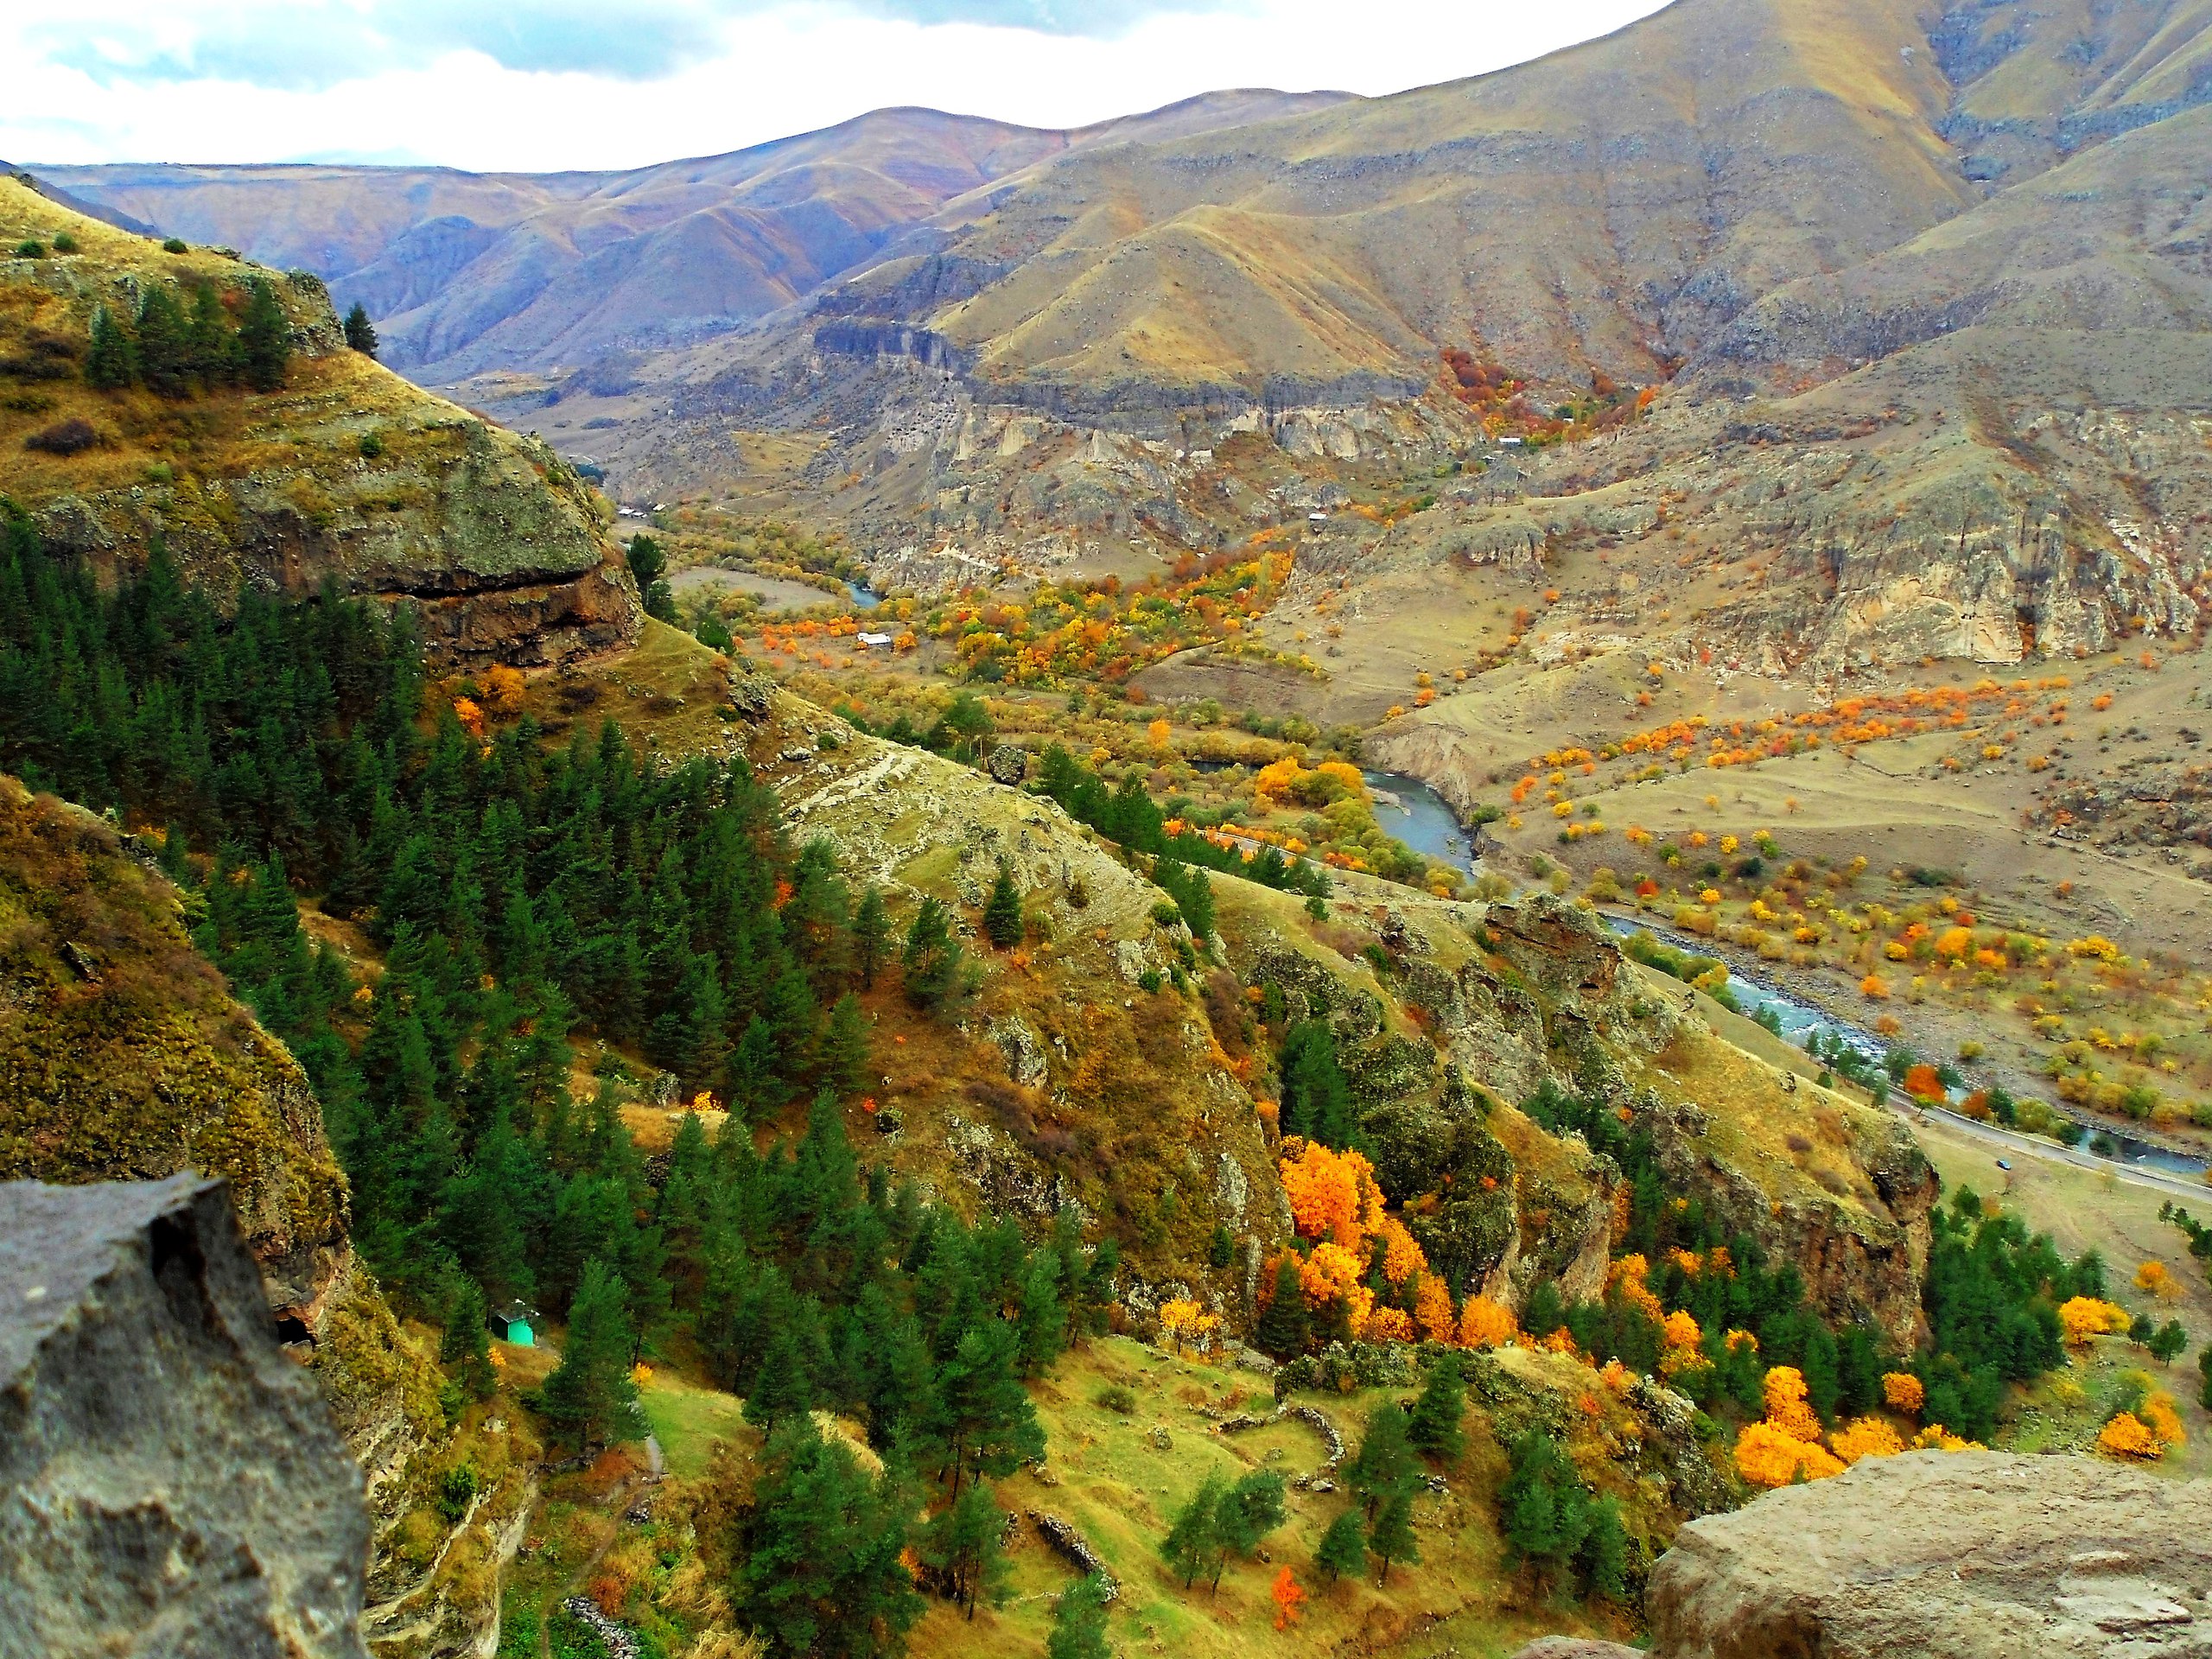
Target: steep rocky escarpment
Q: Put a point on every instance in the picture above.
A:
(344, 476)
(169, 1481)
(1973, 1554)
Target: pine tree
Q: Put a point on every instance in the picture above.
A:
(844, 1048)
(164, 343)
(753, 1081)
(1433, 1428)
(214, 347)
(961, 1545)
(465, 1345)
(1250, 1510)
(1002, 910)
(1392, 1540)
(265, 339)
(1316, 1097)
(1605, 1552)
(591, 1391)
(1383, 1466)
(931, 956)
(983, 1418)
(113, 360)
(1079, 1622)
(783, 1385)
(1043, 1320)
(1343, 1554)
(360, 333)
(1541, 1505)
(819, 1574)
(1193, 1542)
(871, 936)
(1282, 1326)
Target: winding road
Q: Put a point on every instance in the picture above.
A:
(2050, 1151)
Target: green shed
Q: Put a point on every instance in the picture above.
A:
(511, 1323)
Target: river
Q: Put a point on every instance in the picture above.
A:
(1410, 811)
(1800, 1019)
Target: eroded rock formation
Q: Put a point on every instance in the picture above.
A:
(171, 1483)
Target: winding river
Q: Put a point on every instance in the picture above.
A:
(1409, 810)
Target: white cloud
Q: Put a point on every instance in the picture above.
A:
(199, 81)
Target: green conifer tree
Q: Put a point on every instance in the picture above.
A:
(591, 1391)
(871, 936)
(819, 1573)
(360, 333)
(1193, 1544)
(164, 343)
(1002, 910)
(1383, 1466)
(113, 360)
(1282, 1326)
(845, 1047)
(1605, 1551)
(1079, 1622)
(1343, 1554)
(265, 339)
(783, 1385)
(1432, 1427)
(983, 1416)
(1392, 1540)
(465, 1345)
(962, 1546)
(931, 958)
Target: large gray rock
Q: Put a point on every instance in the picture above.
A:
(170, 1482)
(1970, 1555)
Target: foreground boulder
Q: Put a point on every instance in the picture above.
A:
(1971, 1555)
(171, 1483)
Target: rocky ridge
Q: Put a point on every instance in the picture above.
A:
(347, 475)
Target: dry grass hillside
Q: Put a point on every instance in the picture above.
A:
(346, 473)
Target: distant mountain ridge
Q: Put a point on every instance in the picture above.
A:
(469, 271)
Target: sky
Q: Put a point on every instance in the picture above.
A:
(508, 85)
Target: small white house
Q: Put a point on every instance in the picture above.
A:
(874, 641)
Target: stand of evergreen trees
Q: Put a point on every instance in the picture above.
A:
(181, 340)
(523, 897)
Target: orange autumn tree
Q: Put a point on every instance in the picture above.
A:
(1902, 1392)
(1783, 1447)
(1287, 1595)
(2084, 1317)
(1486, 1323)
(1332, 1194)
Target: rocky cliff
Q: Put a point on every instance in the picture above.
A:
(170, 1482)
(345, 475)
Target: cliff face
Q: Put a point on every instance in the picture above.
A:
(170, 1481)
(345, 475)
(123, 1056)
(1970, 1554)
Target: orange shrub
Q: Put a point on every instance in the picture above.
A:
(1486, 1324)
(2085, 1316)
(1765, 1456)
(2127, 1436)
(1901, 1391)
(1868, 1437)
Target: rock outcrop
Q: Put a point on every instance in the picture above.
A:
(344, 477)
(170, 1482)
(1971, 1555)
